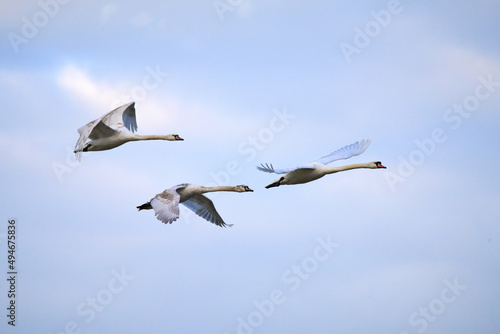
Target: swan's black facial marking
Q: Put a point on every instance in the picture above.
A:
(244, 187)
(379, 165)
(176, 137)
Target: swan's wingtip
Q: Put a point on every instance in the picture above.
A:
(268, 168)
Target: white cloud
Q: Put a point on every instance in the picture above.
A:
(103, 97)
(158, 113)
(78, 83)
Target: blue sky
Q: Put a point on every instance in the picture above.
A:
(410, 249)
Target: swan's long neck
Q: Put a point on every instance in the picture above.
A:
(331, 170)
(217, 188)
(150, 137)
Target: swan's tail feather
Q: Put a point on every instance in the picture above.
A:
(274, 184)
(145, 206)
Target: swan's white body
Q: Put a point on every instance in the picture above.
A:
(317, 169)
(112, 130)
(166, 204)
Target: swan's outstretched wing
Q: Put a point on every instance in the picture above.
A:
(166, 206)
(122, 117)
(84, 132)
(93, 130)
(204, 207)
(101, 130)
(346, 152)
(268, 168)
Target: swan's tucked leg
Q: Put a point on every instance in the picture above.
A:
(86, 148)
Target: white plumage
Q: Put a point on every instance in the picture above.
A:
(112, 130)
(317, 169)
(166, 203)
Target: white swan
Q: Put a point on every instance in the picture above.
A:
(112, 130)
(166, 204)
(318, 169)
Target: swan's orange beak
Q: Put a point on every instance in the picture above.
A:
(381, 166)
(177, 137)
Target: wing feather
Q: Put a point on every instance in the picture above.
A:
(343, 153)
(122, 118)
(346, 152)
(101, 130)
(166, 206)
(84, 132)
(204, 207)
(268, 168)
(129, 118)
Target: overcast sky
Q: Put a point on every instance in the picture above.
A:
(414, 248)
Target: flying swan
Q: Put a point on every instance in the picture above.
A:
(166, 204)
(318, 169)
(112, 130)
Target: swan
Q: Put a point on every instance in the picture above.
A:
(318, 169)
(112, 130)
(166, 204)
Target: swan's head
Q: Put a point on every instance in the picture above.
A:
(377, 164)
(242, 188)
(173, 137)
